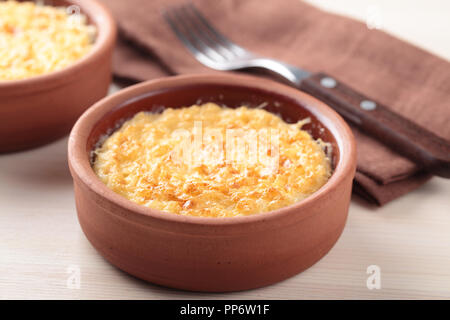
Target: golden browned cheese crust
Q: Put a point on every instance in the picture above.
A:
(138, 162)
(37, 39)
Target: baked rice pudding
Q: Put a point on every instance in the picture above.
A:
(36, 39)
(212, 161)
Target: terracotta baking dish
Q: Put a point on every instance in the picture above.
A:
(40, 109)
(211, 254)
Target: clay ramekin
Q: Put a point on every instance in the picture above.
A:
(41, 109)
(211, 254)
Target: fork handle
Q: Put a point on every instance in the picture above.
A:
(428, 150)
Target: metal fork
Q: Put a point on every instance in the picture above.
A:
(214, 50)
(217, 52)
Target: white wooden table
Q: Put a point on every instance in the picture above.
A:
(42, 246)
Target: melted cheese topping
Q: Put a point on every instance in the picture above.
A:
(37, 39)
(138, 162)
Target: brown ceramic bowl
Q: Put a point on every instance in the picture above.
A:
(201, 253)
(40, 109)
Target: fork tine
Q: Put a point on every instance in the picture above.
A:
(204, 33)
(225, 41)
(178, 32)
(209, 46)
(197, 39)
(190, 38)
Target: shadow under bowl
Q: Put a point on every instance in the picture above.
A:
(202, 253)
(40, 109)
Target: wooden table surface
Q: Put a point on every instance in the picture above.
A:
(42, 246)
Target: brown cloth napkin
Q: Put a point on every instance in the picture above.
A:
(411, 81)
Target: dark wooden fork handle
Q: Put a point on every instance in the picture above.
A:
(423, 147)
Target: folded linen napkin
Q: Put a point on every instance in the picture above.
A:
(409, 80)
